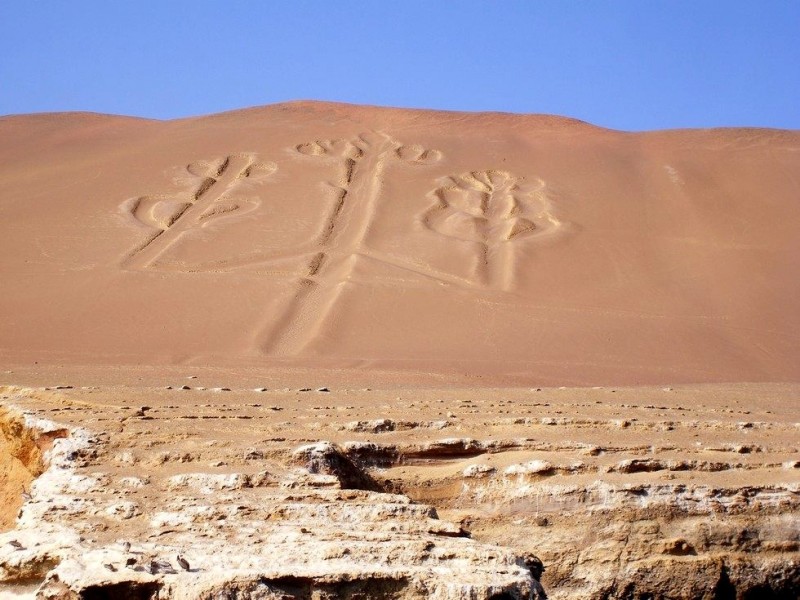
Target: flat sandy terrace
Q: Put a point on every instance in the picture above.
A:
(537, 470)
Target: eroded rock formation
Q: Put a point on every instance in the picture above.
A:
(677, 493)
(89, 530)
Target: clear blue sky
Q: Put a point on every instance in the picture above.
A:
(640, 64)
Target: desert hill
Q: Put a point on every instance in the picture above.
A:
(507, 248)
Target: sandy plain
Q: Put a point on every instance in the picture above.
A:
(422, 352)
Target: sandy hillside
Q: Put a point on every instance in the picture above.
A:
(321, 351)
(399, 245)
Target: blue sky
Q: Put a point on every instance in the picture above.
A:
(631, 65)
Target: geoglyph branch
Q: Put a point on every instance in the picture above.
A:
(172, 216)
(493, 210)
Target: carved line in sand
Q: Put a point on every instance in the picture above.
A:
(493, 210)
(173, 216)
(361, 164)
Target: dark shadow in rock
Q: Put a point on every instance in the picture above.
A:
(329, 459)
(724, 589)
(125, 590)
(308, 588)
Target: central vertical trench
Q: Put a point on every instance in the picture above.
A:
(317, 292)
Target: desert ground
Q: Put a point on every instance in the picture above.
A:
(333, 351)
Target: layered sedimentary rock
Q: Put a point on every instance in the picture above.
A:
(613, 493)
(272, 530)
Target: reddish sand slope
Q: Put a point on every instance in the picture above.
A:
(308, 235)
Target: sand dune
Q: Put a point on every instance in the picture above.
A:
(504, 249)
